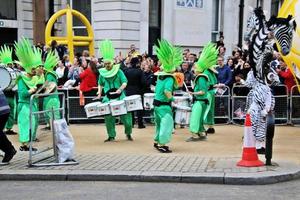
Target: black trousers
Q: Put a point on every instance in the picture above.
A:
(140, 115)
(3, 120)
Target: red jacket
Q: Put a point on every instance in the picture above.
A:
(88, 80)
(289, 80)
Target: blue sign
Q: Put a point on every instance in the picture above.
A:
(190, 3)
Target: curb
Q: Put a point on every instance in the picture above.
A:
(259, 178)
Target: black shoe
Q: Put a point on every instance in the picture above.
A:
(26, 148)
(210, 131)
(10, 132)
(129, 137)
(110, 139)
(9, 155)
(47, 128)
(141, 126)
(164, 149)
(261, 150)
(155, 145)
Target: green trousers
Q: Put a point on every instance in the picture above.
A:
(110, 123)
(11, 119)
(49, 103)
(210, 119)
(24, 122)
(163, 124)
(197, 121)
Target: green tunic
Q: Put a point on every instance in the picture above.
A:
(163, 114)
(53, 100)
(199, 106)
(24, 110)
(107, 84)
(210, 119)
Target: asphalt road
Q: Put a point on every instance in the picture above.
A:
(48, 190)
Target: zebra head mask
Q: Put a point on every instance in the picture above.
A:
(283, 30)
(254, 23)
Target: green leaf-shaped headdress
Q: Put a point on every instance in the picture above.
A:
(208, 58)
(28, 58)
(169, 56)
(5, 55)
(107, 50)
(51, 61)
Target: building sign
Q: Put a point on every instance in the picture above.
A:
(189, 4)
(1, 23)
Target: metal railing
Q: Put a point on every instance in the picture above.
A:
(295, 106)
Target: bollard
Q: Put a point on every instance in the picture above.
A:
(269, 137)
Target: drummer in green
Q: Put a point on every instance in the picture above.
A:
(113, 82)
(170, 57)
(200, 107)
(212, 81)
(51, 101)
(6, 59)
(29, 59)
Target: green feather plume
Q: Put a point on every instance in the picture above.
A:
(37, 57)
(25, 54)
(208, 57)
(51, 61)
(169, 56)
(107, 50)
(5, 55)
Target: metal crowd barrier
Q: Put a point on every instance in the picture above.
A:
(295, 106)
(239, 97)
(42, 155)
(238, 100)
(222, 106)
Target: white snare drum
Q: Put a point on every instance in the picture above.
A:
(182, 115)
(92, 109)
(8, 78)
(133, 103)
(181, 101)
(103, 109)
(118, 108)
(148, 101)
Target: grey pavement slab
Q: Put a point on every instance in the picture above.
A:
(152, 168)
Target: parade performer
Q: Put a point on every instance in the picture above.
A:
(6, 59)
(170, 57)
(113, 81)
(5, 144)
(29, 59)
(212, 81)
(51, 77)
(207, 59)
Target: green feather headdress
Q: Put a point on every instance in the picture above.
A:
(169, 56)
(107, 50)
(37, 57)
(51, 61)
(26, 55)
(5, 55)
(208, 58)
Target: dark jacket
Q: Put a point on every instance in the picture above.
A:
(149, 80)
(4, 107)
(136, 81)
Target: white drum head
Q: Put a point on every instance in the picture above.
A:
(5, 78)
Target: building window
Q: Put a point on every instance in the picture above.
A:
(8, 9)
(275, 6)
(216, 23)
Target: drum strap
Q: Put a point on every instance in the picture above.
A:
(160, 103)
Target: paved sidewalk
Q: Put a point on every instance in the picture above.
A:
(158, 168)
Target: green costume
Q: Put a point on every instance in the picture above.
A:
(210, 119)
(29, 59)
(170, 57)
(51, 77)
(6, 59)
(113, 79)
(202, 104)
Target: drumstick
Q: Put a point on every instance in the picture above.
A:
(187, 90)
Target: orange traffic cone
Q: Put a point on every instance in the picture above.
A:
(249, 158)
